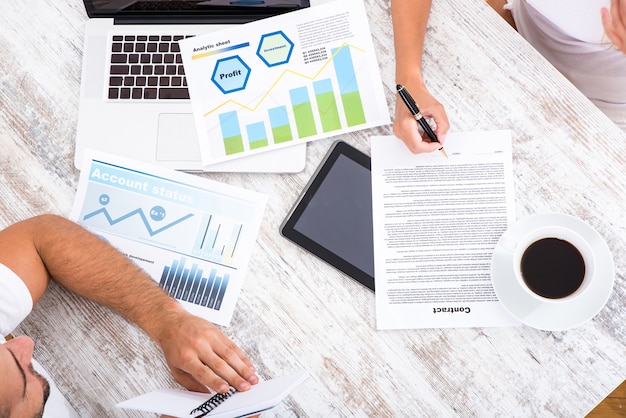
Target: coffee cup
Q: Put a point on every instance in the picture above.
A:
(554, 264)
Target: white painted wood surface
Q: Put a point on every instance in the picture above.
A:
(295, 312)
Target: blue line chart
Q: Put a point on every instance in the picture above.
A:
(135, 212)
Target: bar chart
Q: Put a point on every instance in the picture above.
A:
(217, 239)
(295, 106)
(195, 285)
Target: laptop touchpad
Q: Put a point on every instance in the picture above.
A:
(177, 139)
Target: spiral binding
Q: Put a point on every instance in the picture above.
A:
(213, 402)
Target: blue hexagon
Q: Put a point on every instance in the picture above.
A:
(230, 74)
(275, 48)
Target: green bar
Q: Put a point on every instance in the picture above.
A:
(353, 107)
(305, 124)
(233, 144)
(329, 115)
(282, 134)
(258, 144)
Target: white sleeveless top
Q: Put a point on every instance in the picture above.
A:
(569, 34)
(582, 20)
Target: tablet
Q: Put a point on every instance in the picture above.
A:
(332, 217)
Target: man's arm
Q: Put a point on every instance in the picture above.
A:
(50, 247)
(409, 19)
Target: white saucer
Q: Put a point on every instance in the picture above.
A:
(546, 315)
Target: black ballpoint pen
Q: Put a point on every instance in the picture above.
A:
(410, 103)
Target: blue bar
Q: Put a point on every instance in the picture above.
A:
(278, 116)
(220, 297)
(173, 279)
(323, 86)
(180, 279)
(209, 287)
(256, 132)
(194, 279)
(344, 69)
(187, 285)
(229, 124)
(164, 275)
(200, 292)
(214, 292)
(299, 96)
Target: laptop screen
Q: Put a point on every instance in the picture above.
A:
(211, 10)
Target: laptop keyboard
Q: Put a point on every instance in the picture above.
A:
(147, 67)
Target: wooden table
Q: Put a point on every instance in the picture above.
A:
(295, 312)
(614, 405)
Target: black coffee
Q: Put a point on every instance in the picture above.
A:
(552, 268)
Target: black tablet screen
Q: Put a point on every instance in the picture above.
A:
(335, 213)
(340, 216)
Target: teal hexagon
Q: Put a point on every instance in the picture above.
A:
(275, 48)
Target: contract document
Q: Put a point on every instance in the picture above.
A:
(436, 223)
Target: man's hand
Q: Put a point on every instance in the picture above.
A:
(614, 22)
(405, 126)
(200, 355)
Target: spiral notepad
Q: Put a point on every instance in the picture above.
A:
(213, 402)
(181, 403)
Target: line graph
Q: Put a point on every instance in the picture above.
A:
(137, 212)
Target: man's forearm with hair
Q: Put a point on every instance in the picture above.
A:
(86, 265)
(50, 247)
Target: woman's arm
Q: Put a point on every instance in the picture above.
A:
(410, 19)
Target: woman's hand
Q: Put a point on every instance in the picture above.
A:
(405, 126)
(614, 22)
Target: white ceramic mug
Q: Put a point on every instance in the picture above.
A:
(562, 233)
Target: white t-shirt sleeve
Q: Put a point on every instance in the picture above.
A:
(15, 300)
(15, 305)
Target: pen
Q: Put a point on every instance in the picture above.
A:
(410, 103)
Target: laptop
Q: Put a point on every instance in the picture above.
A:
(133, 99)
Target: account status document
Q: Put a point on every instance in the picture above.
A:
(192, 235)
(437, 221)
